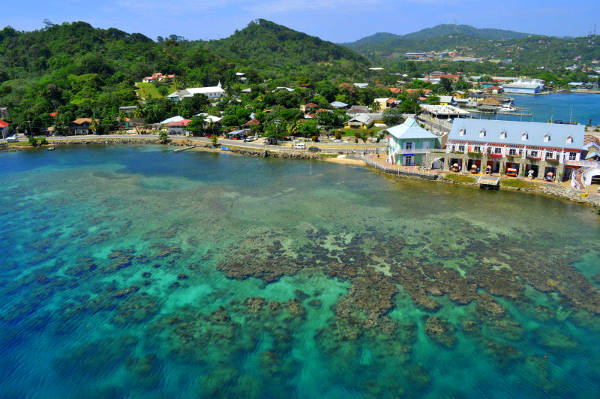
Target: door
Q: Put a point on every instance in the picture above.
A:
(408, 161)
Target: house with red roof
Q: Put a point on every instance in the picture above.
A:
(178, 127)
(157, 77)
(4, 128)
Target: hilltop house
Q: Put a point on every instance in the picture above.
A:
(211, 92)
(541, 148)
(409, 143)
(81, 126)
(157, 77)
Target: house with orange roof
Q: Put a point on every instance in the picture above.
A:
(81, 126)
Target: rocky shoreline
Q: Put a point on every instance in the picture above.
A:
(556, 191)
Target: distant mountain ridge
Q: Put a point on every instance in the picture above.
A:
(483, 43)
(436, 31)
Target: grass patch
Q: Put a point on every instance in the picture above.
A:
(150, 90)
(328, 155)
(517, 183)
(460, 178)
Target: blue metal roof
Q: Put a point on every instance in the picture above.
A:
(410, 129)
(517, 133)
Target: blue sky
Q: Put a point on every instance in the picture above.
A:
(335, 20)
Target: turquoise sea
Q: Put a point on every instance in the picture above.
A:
(136, 272)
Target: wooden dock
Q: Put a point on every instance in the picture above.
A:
(184, 148)
(489, 182)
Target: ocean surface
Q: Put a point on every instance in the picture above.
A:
(567, 107)
(136, 272)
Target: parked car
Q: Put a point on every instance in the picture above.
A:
(314, 149)
(301, 145)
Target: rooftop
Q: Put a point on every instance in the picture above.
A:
(410, 129)
(519, 133)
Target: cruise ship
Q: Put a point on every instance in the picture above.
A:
(524, 86)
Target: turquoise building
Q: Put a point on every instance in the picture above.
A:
(409, 143)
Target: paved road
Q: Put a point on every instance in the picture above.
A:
(286, 146)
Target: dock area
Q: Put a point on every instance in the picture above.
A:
(489, 182)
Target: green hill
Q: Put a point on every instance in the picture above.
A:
(264, 43)
(466, 40)
(82, 71)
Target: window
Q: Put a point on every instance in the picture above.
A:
(572, 156)
(462, 132)
(408, 146)
(533, 154)
(549, 155)
(524, 136)
(503, 135)
(570, 140)
(520, 151)
(497, 150)
(477, 148)
(546, 138)
(461, 148)
(512, 152)
(482, 133)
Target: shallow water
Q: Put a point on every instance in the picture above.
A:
(136, 272)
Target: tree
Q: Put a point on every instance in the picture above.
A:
(392, 116)
(308, 128)
(163, 137)
(445, 85)
(376, 106)
(197, 126)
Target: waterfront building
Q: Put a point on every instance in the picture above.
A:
(524, 86)
(443, 111)
(409, 143)
(541, 148)
(81, 126)
(211, 92)
(4, 129)
(178, 127)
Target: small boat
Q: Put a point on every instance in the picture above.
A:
(51, 148)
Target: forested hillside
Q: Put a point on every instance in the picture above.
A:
(82, 71)
(522, 48)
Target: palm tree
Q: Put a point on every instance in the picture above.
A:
(376, 106)
(94, 125)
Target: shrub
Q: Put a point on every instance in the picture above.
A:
(163, 137)
(32, 141)
(42, 141)
(214, 139)
(338, 135)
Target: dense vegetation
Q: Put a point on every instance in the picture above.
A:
(54, 75)
(76, 70)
